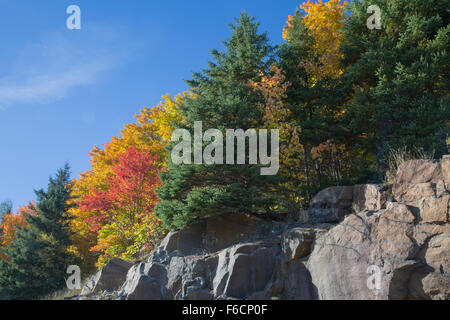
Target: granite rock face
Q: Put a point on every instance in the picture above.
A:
(110, 277)
(330, 205)
(396, 249)
(373, 242)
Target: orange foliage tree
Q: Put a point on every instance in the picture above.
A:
(11, 223)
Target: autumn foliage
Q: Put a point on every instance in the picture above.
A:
(324, 21)
(11, 223)
(105, 193)
(339, 102)
(276, 115)
(123, 214)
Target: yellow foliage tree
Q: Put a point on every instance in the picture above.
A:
(323, 21)
(273, 87)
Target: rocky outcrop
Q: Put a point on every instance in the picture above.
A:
(372, 242)
(213, 261)
(387, 247)
(330, 205)
(111, 277)
(400, 244)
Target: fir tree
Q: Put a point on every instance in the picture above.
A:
(39, 257)
(5, 208)
(223, 99)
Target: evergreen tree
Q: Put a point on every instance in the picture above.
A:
(5, 208)
(223, 99)
(398, 76)
(39, 257)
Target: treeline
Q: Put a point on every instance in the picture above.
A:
(342, 95)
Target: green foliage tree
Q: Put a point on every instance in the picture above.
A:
(397, 77)
(223, 99)
(38, 258)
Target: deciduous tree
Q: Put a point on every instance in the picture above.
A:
(152, 131)
(123, 214)
(12, 223)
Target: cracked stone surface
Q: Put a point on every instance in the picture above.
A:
(372, 242)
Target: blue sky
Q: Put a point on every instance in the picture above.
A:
(63, 91)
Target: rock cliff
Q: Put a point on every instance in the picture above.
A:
(374, 242)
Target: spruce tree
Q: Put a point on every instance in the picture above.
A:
(223, 99)
(39, 257)
(398, 76)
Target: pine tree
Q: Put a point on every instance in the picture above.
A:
(223, 99)
(39, 257)
(398, 76)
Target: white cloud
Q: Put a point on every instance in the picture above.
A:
(45, 87)
(52, 69)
